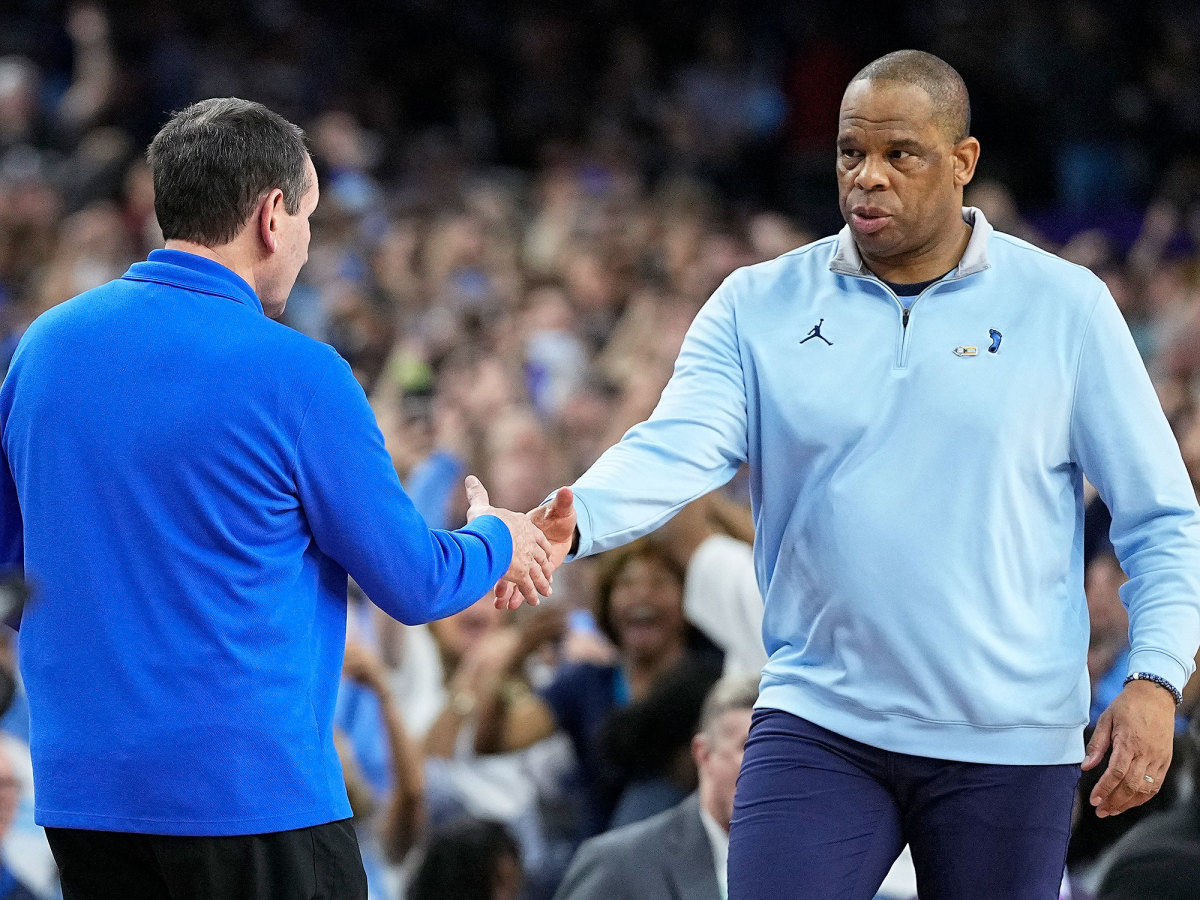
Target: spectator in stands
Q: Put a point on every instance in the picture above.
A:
(679, 854)
(470, 859)
(629, 721)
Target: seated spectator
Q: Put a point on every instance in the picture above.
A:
(469, 860)
(1160, 857)
(524, 789)
(630, 721)
(679, 854)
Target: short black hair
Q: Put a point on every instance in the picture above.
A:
(213, 161)
(936, 77)
(461, 861)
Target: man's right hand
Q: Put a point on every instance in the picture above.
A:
(557, 520)
(529, 572)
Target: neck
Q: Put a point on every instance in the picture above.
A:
(708, 802)
(226, 255)
(925, 263)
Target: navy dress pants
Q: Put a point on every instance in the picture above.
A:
(819, 816)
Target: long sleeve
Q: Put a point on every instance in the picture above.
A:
(694, 441)
(362, 518)
(1122, 441)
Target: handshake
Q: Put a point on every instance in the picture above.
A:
(541, 541)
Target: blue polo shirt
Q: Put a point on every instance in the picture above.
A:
(187, 484)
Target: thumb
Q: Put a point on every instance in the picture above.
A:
(1101, 738)
(561, 505)
(477, 495)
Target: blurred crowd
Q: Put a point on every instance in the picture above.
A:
(522, 209)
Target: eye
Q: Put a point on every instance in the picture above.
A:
(850, 154)
(899, 155)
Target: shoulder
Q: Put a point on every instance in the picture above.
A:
(1012, 257)
(639, 839)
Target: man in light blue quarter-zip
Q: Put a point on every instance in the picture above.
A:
(917, 482)
(187, 484)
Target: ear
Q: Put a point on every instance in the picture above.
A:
(699, 750)
(269, 213)
(966, 156)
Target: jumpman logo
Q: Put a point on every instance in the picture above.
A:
(816, 333)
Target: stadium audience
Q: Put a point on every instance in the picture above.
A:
(521, 212)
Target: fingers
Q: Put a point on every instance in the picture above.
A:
(1132, 784)
(1101, 738)
(543, 543)
(505, 593)
(1130, 779)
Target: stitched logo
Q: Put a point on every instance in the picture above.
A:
(966, 351)
(996, 337)
(816, 333)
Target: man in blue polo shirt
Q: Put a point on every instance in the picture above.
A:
(187, 484)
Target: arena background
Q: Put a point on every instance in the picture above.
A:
(523, 206)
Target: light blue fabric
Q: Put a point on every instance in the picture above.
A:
(188, 484)
(918, 499)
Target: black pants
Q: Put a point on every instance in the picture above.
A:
(317, 863)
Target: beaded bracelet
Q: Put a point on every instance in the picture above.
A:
(1160, 681)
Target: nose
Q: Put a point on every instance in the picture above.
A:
(872, 174)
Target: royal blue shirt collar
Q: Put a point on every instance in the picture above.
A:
(194, 273)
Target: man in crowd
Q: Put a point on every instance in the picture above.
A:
(917, 483)
(187, 484)
(679, 854)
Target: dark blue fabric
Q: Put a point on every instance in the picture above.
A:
(187, 484)
(581, 697)
(820, 817)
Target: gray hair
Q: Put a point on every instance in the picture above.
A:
(731, 692)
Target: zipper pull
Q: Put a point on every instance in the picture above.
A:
(904, 321)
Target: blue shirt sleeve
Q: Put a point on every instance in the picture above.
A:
(1121, 439)
(361, 517)
(693, 442)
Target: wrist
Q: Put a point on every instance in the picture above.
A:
(1150, 679)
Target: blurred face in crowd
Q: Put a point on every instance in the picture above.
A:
(900, 180)
(718, 753)
(646, 608)
(459, 634)
(292, 236)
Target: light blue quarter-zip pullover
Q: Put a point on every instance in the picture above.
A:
(917, 488)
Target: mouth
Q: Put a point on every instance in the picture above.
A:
(865, 220)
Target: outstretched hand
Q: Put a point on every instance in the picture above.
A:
(1139, 726)
(556, 519)
(530, 570)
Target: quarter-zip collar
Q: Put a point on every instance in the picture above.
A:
(848, 261)
(194, 273)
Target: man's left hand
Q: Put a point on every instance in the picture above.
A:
(1139, 726)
